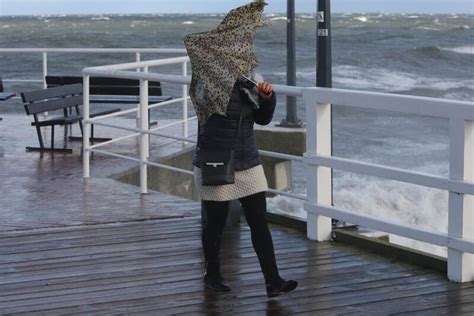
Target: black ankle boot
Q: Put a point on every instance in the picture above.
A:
(213, 278)
(280, 286)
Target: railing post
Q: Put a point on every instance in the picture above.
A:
(144, 137)
(319, 183)
(185, 102)
(137, 59)
(45, 69)
(86, 131)
(461, 207)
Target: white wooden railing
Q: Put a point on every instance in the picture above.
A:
(319, 162)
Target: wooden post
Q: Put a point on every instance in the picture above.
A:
(319, 183)
(461, 206)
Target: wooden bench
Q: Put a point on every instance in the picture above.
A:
(61, 99)
(113, 90)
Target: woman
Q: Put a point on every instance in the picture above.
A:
(257, 104)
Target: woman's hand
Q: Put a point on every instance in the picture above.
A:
(265, 90)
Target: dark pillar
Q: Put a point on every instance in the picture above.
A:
(323, 45)
(291, 119)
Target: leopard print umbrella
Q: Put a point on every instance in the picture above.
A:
(220, 56)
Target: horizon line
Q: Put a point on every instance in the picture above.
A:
(202, 13)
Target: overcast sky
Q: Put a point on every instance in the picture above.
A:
(15, 7)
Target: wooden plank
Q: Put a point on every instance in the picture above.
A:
(128, 265)
(141, 305)
(178, 271)
(422, 297)
(122, 293)
(54, 104)
(50, 93)
(68, 244)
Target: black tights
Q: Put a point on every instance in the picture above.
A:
(214, 216)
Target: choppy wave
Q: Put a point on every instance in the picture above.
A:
(188, 22)
(389, 200)
(468, 50)
(382, 79)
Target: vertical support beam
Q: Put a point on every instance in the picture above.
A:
(144, 137)
(461, 207)
(184, 94)
(291, 110)
(45, 69)
(86, 129)
(324, 51)
(319, 181)
(323, 45)
(138, 59)
(45, 73)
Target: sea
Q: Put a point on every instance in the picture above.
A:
(412, 54)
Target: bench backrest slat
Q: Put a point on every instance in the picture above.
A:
(53, 104)
(50, 93)
(107, 86)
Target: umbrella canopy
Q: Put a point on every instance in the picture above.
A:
(221, 56)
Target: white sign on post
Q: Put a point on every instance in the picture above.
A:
(320, 16)
(323, 32)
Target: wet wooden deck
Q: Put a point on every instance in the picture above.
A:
(156, 268)
(98, 247)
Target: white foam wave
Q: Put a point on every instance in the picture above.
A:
(468, 50)
(6, 26)
(188, 22)
(100, 18)
(361, 18)
(427, 28)
(279, 18)
(388, 200)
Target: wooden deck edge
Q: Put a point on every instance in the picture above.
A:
(379, 246)
(391, 250)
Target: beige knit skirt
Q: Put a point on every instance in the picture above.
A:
(247, 182)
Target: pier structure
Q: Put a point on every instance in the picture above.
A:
(97, 245)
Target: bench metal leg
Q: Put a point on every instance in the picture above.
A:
(38, 131)
(52, 136)
(92, 139)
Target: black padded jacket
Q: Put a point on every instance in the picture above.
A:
(219, 130)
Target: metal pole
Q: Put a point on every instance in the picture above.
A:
(87, 128)
(291, 119)
(323, 45)
(144, 145)
(324, 57)
(184, 94)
